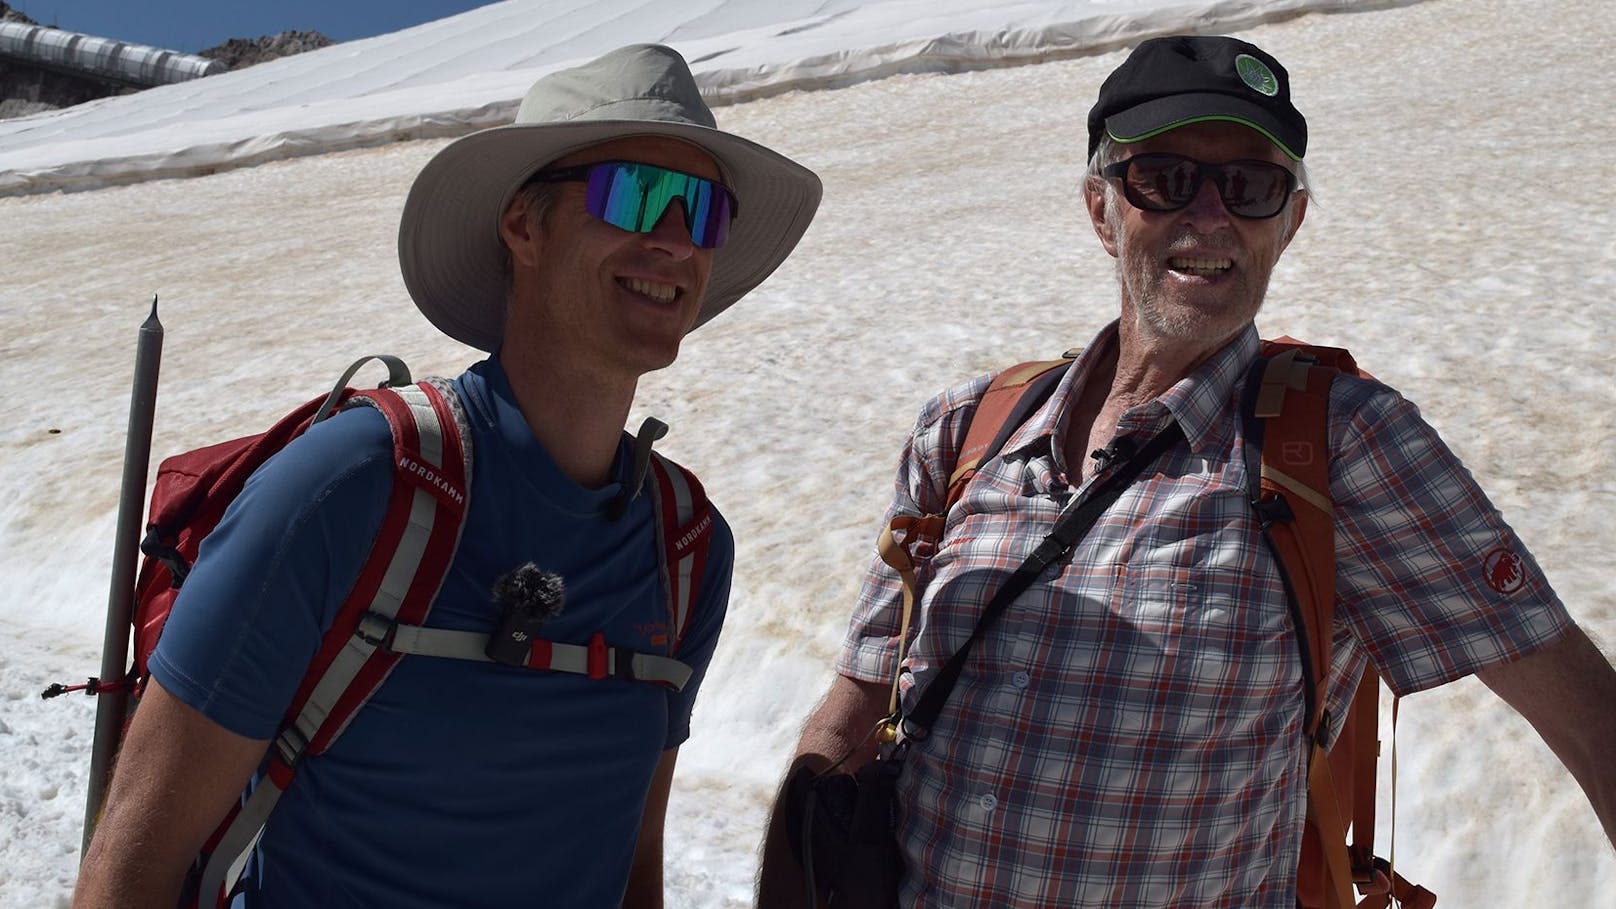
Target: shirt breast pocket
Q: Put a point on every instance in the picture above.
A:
(1213, 643)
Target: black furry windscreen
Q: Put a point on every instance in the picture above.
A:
(531, 590)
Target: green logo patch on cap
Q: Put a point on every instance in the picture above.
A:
(1256, 74)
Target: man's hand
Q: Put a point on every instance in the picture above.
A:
(177, 776)
(841, 723)
(1567, 691)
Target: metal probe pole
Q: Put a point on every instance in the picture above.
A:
(112, 704)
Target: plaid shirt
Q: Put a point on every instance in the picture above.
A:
(1130, 733)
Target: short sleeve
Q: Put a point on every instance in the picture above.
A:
(269, 579)
(1430, 578)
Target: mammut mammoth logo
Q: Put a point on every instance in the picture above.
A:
(1295, 452)
(1504, 571)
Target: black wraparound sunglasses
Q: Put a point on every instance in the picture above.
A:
(1160, 182)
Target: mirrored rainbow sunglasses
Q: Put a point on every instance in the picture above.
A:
(633, 197)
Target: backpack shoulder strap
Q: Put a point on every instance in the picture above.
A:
(1286, 421)
(1010, 398)
(684, 523)
(400, 580)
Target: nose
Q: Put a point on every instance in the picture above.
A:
(671, 235)
(1207, 206)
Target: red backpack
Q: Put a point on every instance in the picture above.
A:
(383, 617)
(1285, 416)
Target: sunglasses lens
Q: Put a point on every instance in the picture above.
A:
(1161, 182)
(634, 197)
(1250, 189)
(1253, 189)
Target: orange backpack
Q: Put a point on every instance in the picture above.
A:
(1285, 414)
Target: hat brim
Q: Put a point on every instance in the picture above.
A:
(454, 262)
(1152, 118)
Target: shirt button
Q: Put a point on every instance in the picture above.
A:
(1020, 679)
(988, 802)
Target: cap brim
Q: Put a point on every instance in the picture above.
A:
(1152, 118)
(452, 257)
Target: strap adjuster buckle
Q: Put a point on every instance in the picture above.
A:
(597, 656)
(376, 629)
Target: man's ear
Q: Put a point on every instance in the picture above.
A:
(520, 233)
(1094, 200)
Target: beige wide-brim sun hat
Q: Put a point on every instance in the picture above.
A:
(449, 247)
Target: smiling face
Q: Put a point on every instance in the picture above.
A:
(596, 297)
(1197, 274)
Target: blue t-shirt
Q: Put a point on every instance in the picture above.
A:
(461, 783)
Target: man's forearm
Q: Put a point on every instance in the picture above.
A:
(120, 872)
(1566, 691)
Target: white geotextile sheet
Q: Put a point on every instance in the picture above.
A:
(471, 70)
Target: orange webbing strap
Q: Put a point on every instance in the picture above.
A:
(1324, 818)
(896, 546)
(1364, 716)
(1293, 403)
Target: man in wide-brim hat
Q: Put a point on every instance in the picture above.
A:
(523, 750)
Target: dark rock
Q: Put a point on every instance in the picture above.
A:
(239, 52)
(7, 14)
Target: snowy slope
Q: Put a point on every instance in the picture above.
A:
(1464, 260)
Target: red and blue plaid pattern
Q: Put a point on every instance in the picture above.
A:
(1130, 733)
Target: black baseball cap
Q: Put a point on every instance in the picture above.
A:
(1170, 82)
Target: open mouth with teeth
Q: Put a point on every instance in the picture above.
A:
(1200, 267)
(661, 293)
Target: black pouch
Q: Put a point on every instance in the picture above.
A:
(844, 832)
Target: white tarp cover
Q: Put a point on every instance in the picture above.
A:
(470, 71)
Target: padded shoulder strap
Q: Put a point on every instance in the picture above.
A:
(1286, 418)
(684, 522)
(400, 580)
(1010, 398)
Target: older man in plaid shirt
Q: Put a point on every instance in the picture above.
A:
(1131, 731)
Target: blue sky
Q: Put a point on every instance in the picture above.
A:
(192, 25)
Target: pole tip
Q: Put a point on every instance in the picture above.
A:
(154, 306)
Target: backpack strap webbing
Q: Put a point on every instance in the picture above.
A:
(682, 524)
(1010, 398)
(595, 659)
(1285, 413)
(400, 580)
(684, 531)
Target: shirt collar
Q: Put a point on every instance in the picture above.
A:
(1198, 402)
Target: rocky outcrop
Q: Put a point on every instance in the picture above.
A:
(239, 52)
